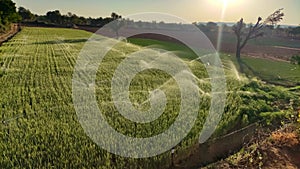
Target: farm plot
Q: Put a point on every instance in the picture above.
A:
(39, 127)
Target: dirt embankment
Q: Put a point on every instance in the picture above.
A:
(15, 28)
(280, 150)
(216, 149)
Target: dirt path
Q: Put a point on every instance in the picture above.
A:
(278, 53)
(253, 55)
(15, 28)
(282, 47)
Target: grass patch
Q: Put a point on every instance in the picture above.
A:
(181, 50)
(276, 72)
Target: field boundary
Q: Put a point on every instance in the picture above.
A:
(283, 47)
(216, 149)
(14, 29)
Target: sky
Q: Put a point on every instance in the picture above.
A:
(189, 10)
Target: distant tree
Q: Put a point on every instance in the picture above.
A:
(280, 31)
(98, 22)
(74, 19)
(115, 16)
(54, 17)
(244, 34)
(212, 26)
(66, 19)
(295, 31)
(26, 14)
(8, 14)
(83, 20)
(202, 27)
(139, 24)
(224, 26)
(69, 14)
(271, 27)
(117, 23)
(268, 30)
(295, 59)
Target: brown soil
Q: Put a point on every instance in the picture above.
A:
(281, 150)
(277, 53)
(13, 30)
(282, 47)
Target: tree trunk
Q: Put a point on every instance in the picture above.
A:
(238, 56)
(240, 62)
(117, 34)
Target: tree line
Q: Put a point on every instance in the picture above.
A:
(269, 30)
(70, 19)
(8, 14)
(67, 20)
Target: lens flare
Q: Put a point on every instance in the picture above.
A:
(220, 32)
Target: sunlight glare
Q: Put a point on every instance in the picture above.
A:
(224, 3)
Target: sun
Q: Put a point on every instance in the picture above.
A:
(226, 2)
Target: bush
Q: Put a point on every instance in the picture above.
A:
(295, 59)
(276, 118)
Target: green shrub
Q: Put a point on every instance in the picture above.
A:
(276, 117)
(295, 59)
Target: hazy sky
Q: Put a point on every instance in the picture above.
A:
(190, 10)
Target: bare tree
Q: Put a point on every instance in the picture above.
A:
(117, 23)
(254, 31)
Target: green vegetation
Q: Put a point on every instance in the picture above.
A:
(277, 72)
(39, 126)
(25, 14)
(295, 59)
(55, 18)
(180, 49)
(8, 14)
